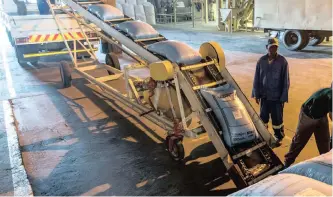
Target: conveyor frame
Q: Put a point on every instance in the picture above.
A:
(233, 158)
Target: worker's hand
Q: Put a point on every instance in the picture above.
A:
(257, 100)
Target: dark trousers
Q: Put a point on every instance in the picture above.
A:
(273, 109)
(305, 128)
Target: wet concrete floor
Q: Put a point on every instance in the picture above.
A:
(76, 141)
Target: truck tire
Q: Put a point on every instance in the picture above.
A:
(21, 50)
(295, 40)
(315, 40)
(112, 60)
(114, 49)
(65, 73)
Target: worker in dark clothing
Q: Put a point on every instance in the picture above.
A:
(312, 119)
(43, 6)
(271, 86)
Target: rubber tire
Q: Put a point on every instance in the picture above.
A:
(20, 58)
(178, 145)
(114, 49)
(112, 60)
(303, 39)
(316, 40)
(65, 73)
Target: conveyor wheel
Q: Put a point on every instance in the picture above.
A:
(215, 51)
(174, 145)
(65, 73)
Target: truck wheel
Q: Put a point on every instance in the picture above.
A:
(176, 152)
(315, 40)
(20, 51)
(65, 73)
(295, 40)
(114, 49)
(112, 60)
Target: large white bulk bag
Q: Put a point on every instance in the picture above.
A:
(237, 126)
(318, 168)
(140, 13)
(150, 13)
(138, 29)
(133, 2)
(175, 51)
(286, 185)
(121, 2)
(119, 7)
(128, 10)
(105, 12)
(140, 2)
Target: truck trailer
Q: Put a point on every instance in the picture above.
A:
(34, 35)
(298, 23)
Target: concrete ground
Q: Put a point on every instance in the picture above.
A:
(75, 141)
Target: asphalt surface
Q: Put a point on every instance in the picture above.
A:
(76, 141)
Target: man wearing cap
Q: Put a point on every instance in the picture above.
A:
(271, 86)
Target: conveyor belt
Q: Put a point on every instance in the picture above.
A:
(243, 171)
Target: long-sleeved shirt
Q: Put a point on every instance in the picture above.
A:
(271, 80)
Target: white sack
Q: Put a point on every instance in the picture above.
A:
(138, 29)
(128, 10)
(121, 2)
(176, 52)
(318, 168)
(133, 2)
(140, 2)
(119, 7)
(236, 124)
(140, 13)
(286, 185)
(150, 13)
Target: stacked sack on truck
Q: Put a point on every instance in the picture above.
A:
(138, 9)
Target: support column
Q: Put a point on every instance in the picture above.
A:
(206, 11)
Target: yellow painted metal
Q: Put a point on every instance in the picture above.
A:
(52, 53)
(214, 51)
(207, 85)
(161, 71)
(197, 65)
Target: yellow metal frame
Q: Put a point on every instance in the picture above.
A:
(198, 65)
(208, 85)
(53, 53)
